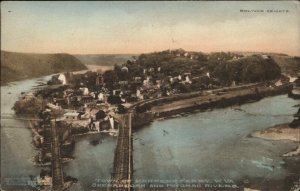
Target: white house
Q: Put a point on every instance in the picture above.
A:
(138, 93)
(85, 91)
(100, 96)
(187, 79)
(124, 69)
(62, 78)
(207, 74)
(179, 77)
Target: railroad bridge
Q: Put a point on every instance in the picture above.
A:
(123, 163)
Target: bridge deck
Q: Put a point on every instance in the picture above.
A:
(122, 170)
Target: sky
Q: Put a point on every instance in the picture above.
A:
(138, 27)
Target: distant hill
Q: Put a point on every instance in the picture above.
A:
(18, 66)
(104, 59)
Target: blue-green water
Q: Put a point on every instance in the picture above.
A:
(17, 151)
(215, 144)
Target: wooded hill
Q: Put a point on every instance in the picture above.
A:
(225, 67)
(288, 64)
(18, 66)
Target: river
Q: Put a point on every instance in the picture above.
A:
(207, 146)
(215, 145)
(17, 151)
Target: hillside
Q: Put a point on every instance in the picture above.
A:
(225, 67)
(104, 59)
(289, 65)
(18, 66)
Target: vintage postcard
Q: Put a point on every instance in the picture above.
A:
(150, 95)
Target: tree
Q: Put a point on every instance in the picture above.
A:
(28, 106)
(110, 78)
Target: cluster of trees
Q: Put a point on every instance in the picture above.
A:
(29, 106)
(246, 70)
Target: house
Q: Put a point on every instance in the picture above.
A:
(124, 69)
(52, 106)
(96, 114)
(147, 81)
(187, 74)
(100, 97)
(93, 94)
(187, 79)
(61, 102)
(117, 92)
(85, 91)
(139, 95)
(278, 83)
(265, 56)
(68, 92)
(207, 74)
(138, 79)
(151, 69)
(62, 78)
(149, 78)
(158, 83)
(72, 116)
(123, 83)
(86, 99)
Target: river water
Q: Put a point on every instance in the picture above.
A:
(16, 148)
(214, 146)
(207, 147)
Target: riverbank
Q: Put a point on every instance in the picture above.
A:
(281, 132)
(218, 99)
